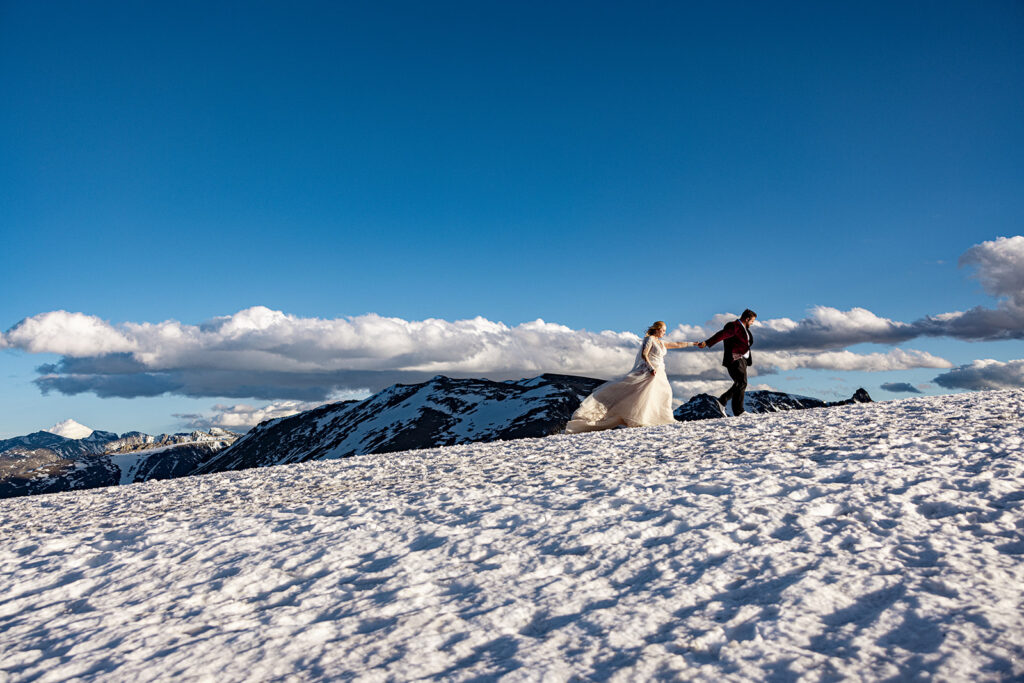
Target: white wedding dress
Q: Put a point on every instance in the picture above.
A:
(637, 400)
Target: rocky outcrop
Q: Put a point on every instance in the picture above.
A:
(706, 407)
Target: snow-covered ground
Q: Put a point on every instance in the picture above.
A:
(863, 542)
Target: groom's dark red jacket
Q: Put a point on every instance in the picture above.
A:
(738, 340)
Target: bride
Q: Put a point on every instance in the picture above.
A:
(643, 398)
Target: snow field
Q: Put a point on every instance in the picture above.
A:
(862, 542)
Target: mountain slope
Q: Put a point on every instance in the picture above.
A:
(441, 412)
(877, 541)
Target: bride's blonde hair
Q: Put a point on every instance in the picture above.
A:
(654, 328)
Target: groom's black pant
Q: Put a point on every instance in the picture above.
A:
(738, 372)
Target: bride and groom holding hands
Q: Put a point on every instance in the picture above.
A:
(643, 398)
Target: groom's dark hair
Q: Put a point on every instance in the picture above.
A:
(748, 314)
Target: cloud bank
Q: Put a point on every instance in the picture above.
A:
(261, 353)
(266, 354)
(984, 374)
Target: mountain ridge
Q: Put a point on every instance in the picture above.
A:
(439, 412)
(44, 462)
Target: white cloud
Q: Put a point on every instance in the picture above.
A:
(984, 374)
(895, 359)
(68, 334)
(707, 365)
(242, 416)
(262, 353)
(823, 328)
(830, 328)
(1000, 267)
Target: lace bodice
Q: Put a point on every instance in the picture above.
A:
(655, 352)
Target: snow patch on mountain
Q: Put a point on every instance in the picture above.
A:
(70, 429)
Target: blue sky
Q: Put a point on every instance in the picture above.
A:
(595, 165)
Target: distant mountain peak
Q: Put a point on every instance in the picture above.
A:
(70, 429)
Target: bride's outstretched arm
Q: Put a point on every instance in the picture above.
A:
(679, 345)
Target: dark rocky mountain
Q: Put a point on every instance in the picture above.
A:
(706, 407)
(440, 412)
(44, 462)
(25, 471)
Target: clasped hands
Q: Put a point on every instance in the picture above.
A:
(699, 345)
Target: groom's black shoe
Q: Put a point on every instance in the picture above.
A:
(721, 407)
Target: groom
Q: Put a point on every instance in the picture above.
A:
(737, 358)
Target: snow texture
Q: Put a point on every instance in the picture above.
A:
(862, 542)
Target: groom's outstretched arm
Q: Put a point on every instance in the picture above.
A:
(724, 333)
